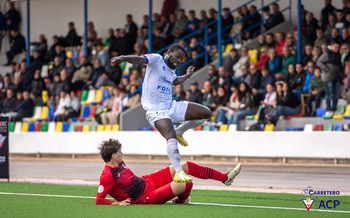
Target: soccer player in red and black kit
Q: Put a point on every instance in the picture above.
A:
(118, 181)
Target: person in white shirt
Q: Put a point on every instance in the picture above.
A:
(64, 103)
(161, 110)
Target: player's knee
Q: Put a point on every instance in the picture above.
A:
(184, 166)
(207, 113)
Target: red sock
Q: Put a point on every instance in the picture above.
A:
(181, 198)
(205, 172)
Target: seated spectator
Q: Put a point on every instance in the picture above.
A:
(269, 101)
(254, 20)
(36, 62)
(220, 100)
(55, 87)
(280, 42)
(37, 86)
(300, 80)
(229, 62)
(17, 45)
(139, 50)
(52, 51)
(320, 38)
(198, 63)
(277, 16)
(244, 59)
(114, 74)
(275, 62)
(7, 84)
(9, 108)
(287, 58)
(316, 53)
(270, 40)
(41, 46)
(292, 77)
(263, 58)
(82, 75)
(261, 43)
(213, 74)
(72, 38)
(195, 45)
(125, 83)
(316, 91)
(63, 104)
(56, 67)
(202, 22)
(307, 56)
(111, 117)
(224, 112)
(134, 98)
(266, 78)
(247, 77)
(255, 77)
(91, 34)
(70, 68)
(73, 109)
(59, 52)
(104, 80)
(192, 23)
(66, 83)
(196, 95)
(224, 78)
(291, 43)
(344, 51)
(96, 73)
(208, 97)
(156, 23)
(24, 107)
(26, 75)
(135, 78)
(123, 45)
(335, 35)
(102, 55)
(180, 25)
(17, 85)
(158, 41)
(180, 94)
(286, 104)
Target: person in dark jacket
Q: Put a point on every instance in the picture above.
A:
(286, 104)
(9, 104)
(25, 107)
(37, 86)
(26, 75)
(180, 94)
(72, 38)
(196, 95)
(17, 45)
(13, 17)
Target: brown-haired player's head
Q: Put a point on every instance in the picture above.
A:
(108, 148)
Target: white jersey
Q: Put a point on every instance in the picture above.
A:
(157, 84)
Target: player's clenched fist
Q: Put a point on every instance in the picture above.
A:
(116, 60)
(190, 70)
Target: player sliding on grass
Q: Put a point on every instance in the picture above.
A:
(156, 99)
(120, 182)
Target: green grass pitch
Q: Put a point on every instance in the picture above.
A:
(212, 204)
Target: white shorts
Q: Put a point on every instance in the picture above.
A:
(176, 113)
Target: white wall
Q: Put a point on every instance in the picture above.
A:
(51, 16)
(241, 144)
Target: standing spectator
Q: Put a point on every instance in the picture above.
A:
(124, 44)
(300, 80)
(227, 20)
(277, 16)
(17, 45)
(179, 93)
(13, 17)
(208, 97)
(192, 23)
(310, 27)
(230, 61)
(169, 7)
(316, 91)
(130, 29)
(243, 60)
(253, 21)
(25, 107)
(309, 75)
(180, 24)
(287, 58)
(330, 64)
(72, 38)
(328, 9)
(202, 22)
(2, 27)
(91, 34)
(196, 95)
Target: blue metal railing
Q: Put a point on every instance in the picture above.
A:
(208, 36)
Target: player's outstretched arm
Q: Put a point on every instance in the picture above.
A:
(183, 78)
(123, 203)
(133, 59)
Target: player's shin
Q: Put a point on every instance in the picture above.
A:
(174, 154)
(189, 125)
(203, 172)
(182, 198)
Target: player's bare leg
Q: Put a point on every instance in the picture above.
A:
(166, 129)
(196, 115)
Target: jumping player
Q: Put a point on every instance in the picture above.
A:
(156, 99)
(118, 181)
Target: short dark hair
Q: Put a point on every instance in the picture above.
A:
(175, 47)
(108, 148)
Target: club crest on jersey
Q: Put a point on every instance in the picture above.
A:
(164, 80)
(308, 203)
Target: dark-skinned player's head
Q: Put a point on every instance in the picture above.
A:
(175, 55)
(108, 148)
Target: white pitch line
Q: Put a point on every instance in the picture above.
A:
(195, 203)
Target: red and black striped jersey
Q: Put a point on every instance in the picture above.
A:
(120, 183)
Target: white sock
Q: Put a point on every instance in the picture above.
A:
(174, 154)
(189, 125)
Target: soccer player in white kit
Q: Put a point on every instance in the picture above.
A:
(161, 110)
